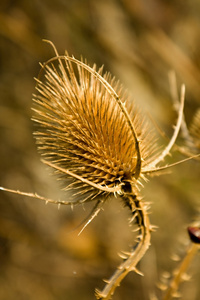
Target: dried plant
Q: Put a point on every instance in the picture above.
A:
(195, 129)
(98, 144)
(190, 135)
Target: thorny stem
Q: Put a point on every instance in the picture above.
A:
(35, 195)
(174, 284)
(175, 98)
(172, 141)
(139, 210)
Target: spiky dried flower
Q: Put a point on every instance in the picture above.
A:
(86, 133)
(97, 143)
(89, 132)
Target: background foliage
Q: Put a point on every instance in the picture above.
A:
(41, 256)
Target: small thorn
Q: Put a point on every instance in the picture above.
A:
(185, 277)
(106, 281)
(98, 294)
(140, 183)
(153, 228)
(137, 271)
(122, 255)
(132, 219)
(162, 286)
(175, 257)
(166, 275)
(136, 229)
(176, 294)
(126, 253)
(147, 207)
(139, 237)
(148, 203)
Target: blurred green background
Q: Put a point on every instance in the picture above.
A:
(41, 255)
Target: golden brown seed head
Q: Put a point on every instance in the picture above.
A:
(82, 127)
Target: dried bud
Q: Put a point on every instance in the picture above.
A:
(194, 233)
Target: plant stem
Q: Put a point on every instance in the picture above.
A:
(138, 209)
(174, 284)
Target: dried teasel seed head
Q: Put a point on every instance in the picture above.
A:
(86, 129)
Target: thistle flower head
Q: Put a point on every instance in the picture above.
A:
(86, 129)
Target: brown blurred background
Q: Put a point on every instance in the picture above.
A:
(41, 255)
